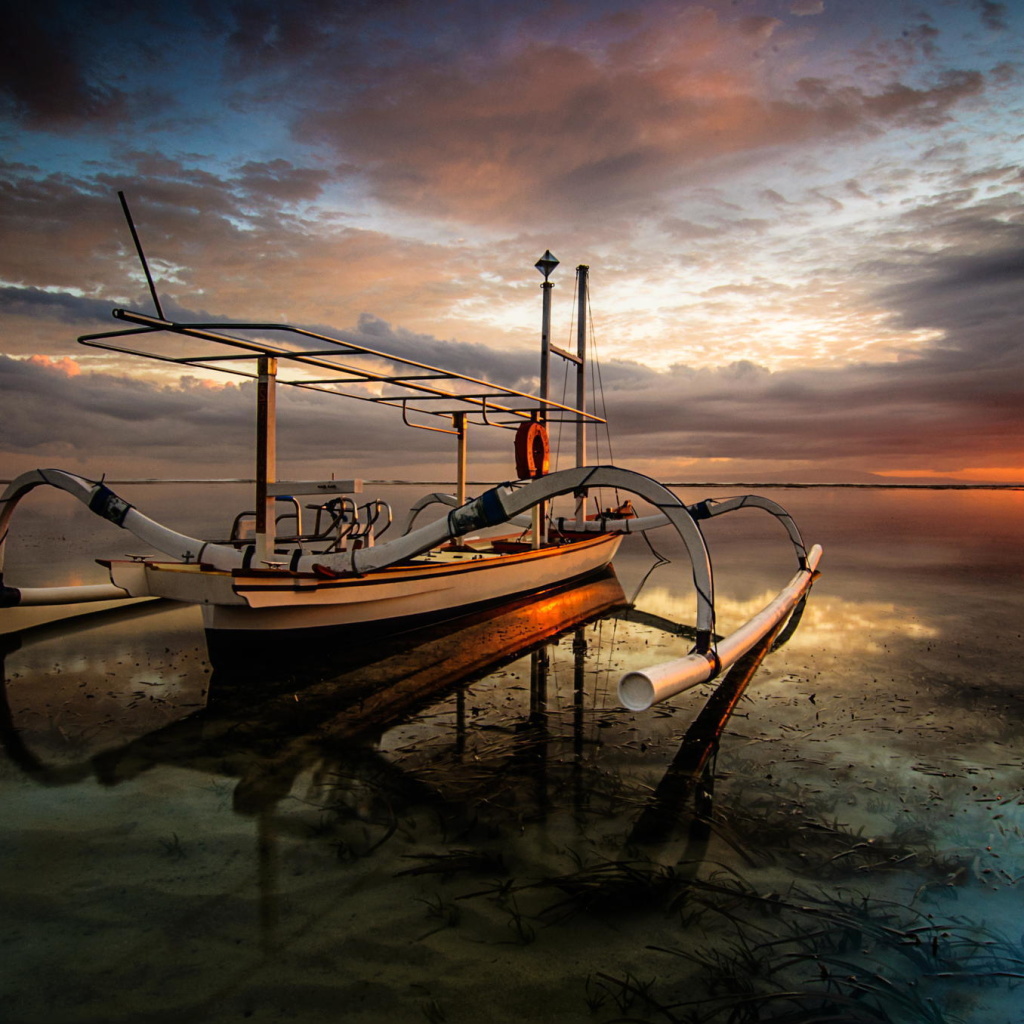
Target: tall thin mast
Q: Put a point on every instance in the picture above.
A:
(583, 272)
(546, 264)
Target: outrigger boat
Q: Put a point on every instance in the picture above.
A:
(275, 572)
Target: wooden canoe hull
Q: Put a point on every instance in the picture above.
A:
(280, 600)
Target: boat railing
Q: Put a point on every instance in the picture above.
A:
(243, 526)
(332, 517)
(336, 522)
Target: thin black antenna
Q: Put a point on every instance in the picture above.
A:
(142, 255)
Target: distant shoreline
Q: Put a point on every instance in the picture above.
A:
(762, 485)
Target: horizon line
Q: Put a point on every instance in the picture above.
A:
(686, 483)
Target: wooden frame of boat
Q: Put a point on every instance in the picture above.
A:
(296, 581)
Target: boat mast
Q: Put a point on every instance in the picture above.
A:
(582, 272)
(546, 264)
(266, 457)
(582, 278)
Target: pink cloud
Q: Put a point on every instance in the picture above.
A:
(567, 131)
(67, 365)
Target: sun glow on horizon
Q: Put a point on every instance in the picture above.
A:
(982, 474)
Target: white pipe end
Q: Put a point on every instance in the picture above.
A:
(636, 691)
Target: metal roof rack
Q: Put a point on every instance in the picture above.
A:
(416, 390)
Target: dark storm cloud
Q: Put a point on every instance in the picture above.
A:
(477, 113)
(993, 14)
(67, 309)
(49, 75)
(54, 413)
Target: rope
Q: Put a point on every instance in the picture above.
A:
(598, 397)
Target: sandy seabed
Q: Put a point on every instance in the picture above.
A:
(177, 848)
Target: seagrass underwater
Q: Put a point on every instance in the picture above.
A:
(447, 826)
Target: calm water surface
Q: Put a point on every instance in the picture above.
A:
(465, 826)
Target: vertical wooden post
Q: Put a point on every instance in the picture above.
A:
(538, 514)
(266, 457)
(459, 420)
(537, 520)
(545, 346)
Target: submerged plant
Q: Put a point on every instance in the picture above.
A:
(439, 909)
(433, 1012)
(173, 848)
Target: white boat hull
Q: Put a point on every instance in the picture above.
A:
(280, 600)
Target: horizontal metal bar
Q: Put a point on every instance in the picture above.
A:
(422, 426)
(321, 358)
(365, 377)
(572, 357)
(453, 395)
(91, 343)
(217, 359)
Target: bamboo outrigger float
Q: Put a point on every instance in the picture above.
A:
(273, 573)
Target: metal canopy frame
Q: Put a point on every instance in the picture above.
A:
(415, 391)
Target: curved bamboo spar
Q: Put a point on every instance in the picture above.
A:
(494, 507)
(701, 510)
(501, 503)
(105, 503)
(639, 690)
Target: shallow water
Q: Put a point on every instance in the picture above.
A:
(467, 828)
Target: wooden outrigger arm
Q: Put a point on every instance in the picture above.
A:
(493, 508)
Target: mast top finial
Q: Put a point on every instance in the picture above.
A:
(546, 264)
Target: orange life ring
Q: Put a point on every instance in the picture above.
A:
(533, 450)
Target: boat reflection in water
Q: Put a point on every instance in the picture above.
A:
(267, 718)
(479, 749)
(265, 727)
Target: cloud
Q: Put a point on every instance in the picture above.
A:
(61, 306)
(993, 14)
(749, 186)
(52, 81)
(586, 114)
(802, 8)
(47, 85)
(67, 366)
(107, 419)
(954, 404)
(548, 129)
(280, 181)
(238, 242)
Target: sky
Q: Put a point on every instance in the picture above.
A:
(803, 220)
